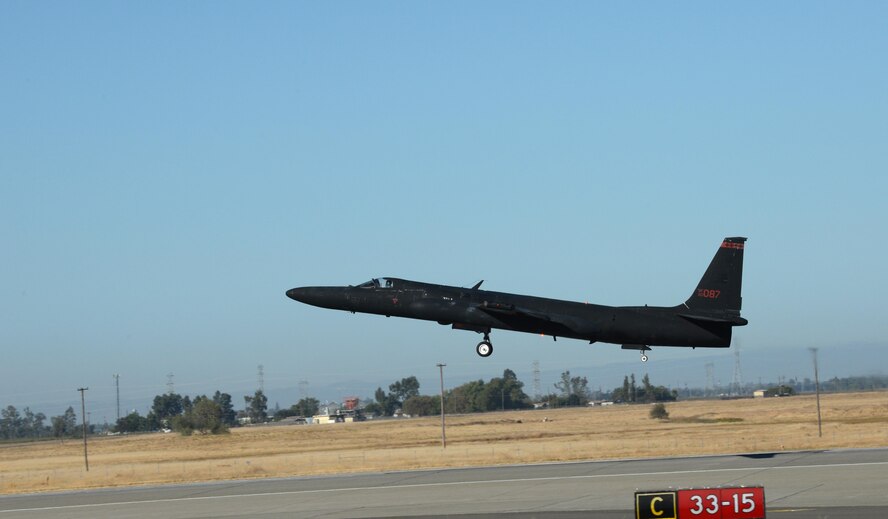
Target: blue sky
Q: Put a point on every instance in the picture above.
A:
(168, 170)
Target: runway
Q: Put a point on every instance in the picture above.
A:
(798, 485)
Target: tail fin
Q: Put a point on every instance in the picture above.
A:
(717, 296)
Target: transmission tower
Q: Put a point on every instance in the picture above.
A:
(261, 378)
(709, 379)
(536, 381)
(170, 388)
(303, 389)
(737, 383)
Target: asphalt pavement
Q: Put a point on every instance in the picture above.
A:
(798, 485)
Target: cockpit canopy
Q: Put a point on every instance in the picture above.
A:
(378, 283)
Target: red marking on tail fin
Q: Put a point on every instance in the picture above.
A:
(732, 245)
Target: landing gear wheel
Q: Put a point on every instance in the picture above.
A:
(484, 348)
(644, 358)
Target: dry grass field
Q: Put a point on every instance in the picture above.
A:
(696, 427)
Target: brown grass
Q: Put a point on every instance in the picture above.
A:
(698, 427)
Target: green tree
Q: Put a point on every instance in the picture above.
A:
(182, 424)
(307, 406)
(374, 408)
(658, 412)
(626, 396)
(515, 396)
(781, 390)
(387, 403)
(166, 406)
(574, 390)
(504, 393)
(203, 415)
(64, 425)
(32, 423)
(229, 416)
(257, 407)
(404, 389)
(421, 405)
(70, 421)
(564, 385)
(647, 393)
(579, 387)
(206, 416)
(467, 398)
(132, 422)
(10, 423)
(57, 425)
(647, 390)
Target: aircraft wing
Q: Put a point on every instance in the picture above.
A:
(506, 309)
(509, 313)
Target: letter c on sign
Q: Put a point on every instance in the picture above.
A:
(654, 510)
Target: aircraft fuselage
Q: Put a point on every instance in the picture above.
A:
(482, 310)
(706, 319)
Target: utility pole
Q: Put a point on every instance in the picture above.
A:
(83, 416)
(817, 389)
(443, 434)
(117, 386)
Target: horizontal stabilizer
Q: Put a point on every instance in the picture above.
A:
(734, 321)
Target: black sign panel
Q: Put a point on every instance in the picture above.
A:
(655, 505)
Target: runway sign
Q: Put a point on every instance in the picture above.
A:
(656, 505)
(703, 503)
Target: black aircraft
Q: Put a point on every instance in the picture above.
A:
(705, 320)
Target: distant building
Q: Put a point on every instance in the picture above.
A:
(328, 418)
(339, 416)
(760, 393)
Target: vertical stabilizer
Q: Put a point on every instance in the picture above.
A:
(718, 293)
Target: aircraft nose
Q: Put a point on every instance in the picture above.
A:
(325, 297)
(297, 294)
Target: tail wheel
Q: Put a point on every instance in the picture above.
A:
(484, 348)
(644, 358)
